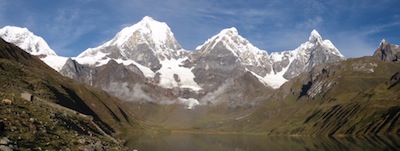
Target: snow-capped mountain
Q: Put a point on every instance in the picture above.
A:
(26, 40)
(222, 66)
(148, 43)
(239, 46)
(248, 54)
(228, 51)
(152, 47)
(149, 46)
(315, 51)
(33, 44)
(145, 62)
(223, 56)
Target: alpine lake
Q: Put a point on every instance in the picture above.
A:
(186, 141)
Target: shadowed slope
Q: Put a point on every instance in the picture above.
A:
(21, 72)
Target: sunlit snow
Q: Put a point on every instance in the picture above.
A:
(26, 40)
(185, 75)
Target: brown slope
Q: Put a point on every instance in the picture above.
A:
(12, 52)
(352, 97)
(23, 72)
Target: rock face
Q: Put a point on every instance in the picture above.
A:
(117, 79)
(228, 52)
(74, 70)
(394, 80)
(225, 56)
(309, 54)
(143, 56)
(387, 52)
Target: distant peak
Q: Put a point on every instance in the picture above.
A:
(14, 27)
(147, 19)
(383, 41)
(315, 36)
(150, 23)
(26, 40)
(229, 31)
(15, 30)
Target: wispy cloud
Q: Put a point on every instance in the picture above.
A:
(67, 27)
(373, 29)
(199, 20)
(354, 44)
(274, 25)
(310, 23)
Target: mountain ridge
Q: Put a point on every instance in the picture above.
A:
(149, 46)
(313, 89)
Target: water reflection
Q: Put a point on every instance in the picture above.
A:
(225, 142)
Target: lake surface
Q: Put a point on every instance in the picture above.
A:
(179, 141)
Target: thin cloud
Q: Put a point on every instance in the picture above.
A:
(311, 23)
(368, 30)
(64, 29)
(289, 26)
(353, 44)
(70, 27)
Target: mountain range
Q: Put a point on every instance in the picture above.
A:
(148, 55)
(225, 85)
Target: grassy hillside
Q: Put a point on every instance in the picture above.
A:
(33, 125)
(352, 97)
(20, 72)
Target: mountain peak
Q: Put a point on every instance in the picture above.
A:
(229, 31)
(156, 35)
(147, 18)
(16, 29)
(230, 39)
(151, 24)
(315, 36)
(387, 52)
(26, 40)
(147, 42)
(383, 41)
(149, 28)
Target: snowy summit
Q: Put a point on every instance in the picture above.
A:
(156, 35)
(26, 40)
(151, 46)
(33, 44)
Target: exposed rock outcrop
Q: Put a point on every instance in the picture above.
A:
(387, 52)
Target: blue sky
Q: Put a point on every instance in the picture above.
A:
(355, 27)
